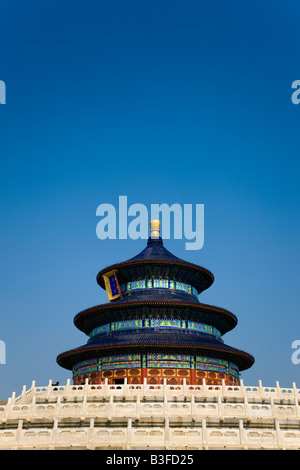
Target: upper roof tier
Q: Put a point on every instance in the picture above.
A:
(156, 261)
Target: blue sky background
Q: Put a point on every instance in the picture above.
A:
(165, 102)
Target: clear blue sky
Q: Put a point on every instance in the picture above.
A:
(165, 102)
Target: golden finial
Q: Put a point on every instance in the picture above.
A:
(154, 228)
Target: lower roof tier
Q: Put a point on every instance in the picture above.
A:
(98, 315)
(156, 340)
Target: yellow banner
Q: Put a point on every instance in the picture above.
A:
(112, 285)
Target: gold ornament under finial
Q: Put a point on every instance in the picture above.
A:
(154, 228)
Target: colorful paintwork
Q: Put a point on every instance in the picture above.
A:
(85, 367)
(168, 357)
(192, 325)
(155, 323)
(160, 323)
(124, 361)
(159, 284)
(217, 365)
(157, 361)
(210, 360)
(120, 365)
(122, 357)
(171, 365)
(124, 325)
(100, 329)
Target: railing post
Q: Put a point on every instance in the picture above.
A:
(223, 387)
(145, 386)
(49, 389)
(295, 391)
(165, 399)
(23, 392)
(260, 387)
(13, 398)
(106, 386)
(110, 407)
(125, 387)
(193, 407)
(184, 390)
(296, 398)
(67, 388)
(138, 406)
(8, 406)
(278, 389)
(220, 406)
(242, 388)
(84, 402)
(32, 390)
(86, 387)
(204, 387)
(33, 406)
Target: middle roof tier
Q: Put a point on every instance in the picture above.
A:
(184, 308)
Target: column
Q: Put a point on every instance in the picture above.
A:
(143, 367)
(193, 371)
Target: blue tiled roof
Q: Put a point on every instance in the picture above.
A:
(156, 339)
(155, 250)
(158, 307)
(156, 295)
(156, 260)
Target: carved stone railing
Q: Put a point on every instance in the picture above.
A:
(163, 416)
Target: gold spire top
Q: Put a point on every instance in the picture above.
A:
(154, 228)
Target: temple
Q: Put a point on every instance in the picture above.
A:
(155, 373)
(154, 326)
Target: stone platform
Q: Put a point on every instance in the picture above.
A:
(151, 417)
